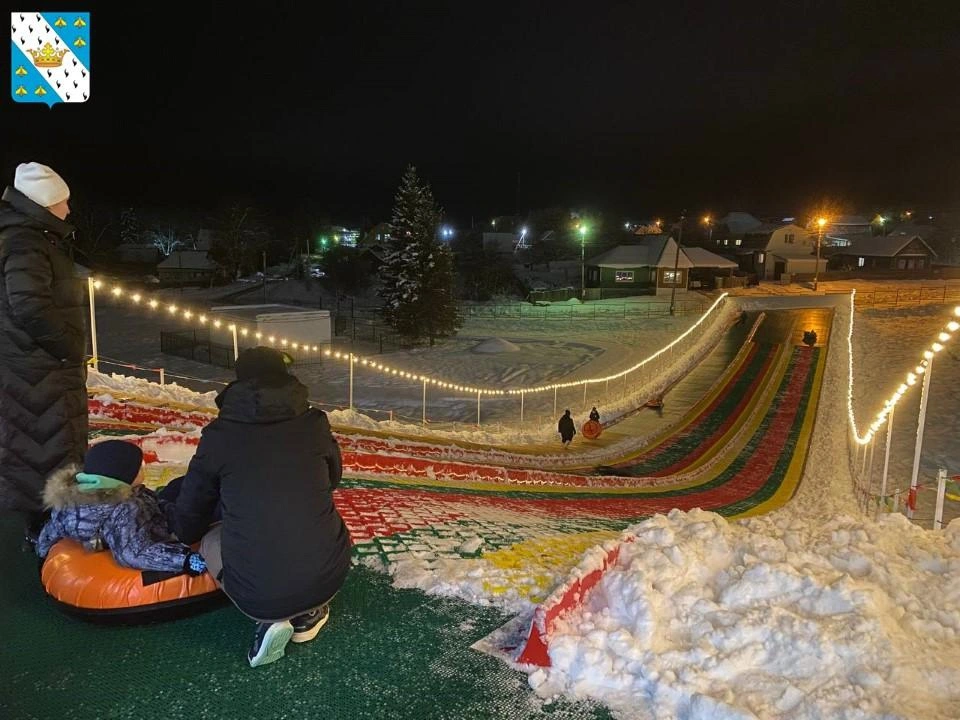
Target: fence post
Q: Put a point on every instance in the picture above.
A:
(351, 381)
(924, 395)
(162, 376)
(941, 489)
(236, 350)
(93, 324)
(886, 460)
(584, 393)
(521, 406)
(554, 400)
(478, 408)
(424, 406)
(866, 502)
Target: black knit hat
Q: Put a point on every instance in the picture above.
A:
(262, 363)
(115, 459)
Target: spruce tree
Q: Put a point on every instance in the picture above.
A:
(417, 277)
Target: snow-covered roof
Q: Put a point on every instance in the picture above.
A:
(884, 246)
(648, 251)
(188, 260)
(739, 222)
(701, 257)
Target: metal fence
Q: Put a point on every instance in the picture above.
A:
(582, 312)
(196, 345)
(896, 297)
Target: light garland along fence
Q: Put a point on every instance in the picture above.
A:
(576, 393)
(870, 451)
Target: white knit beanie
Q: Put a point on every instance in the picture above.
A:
(40, 184)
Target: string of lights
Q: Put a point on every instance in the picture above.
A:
(205, 320)
(909, 381)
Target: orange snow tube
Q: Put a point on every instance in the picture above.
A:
(92, 585)
(591, 429)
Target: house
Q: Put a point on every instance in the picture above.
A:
(738, 223)
(137, 253)
(187, 267)
(655, 264)
(903, 249)
(773, 250)
(846, 225)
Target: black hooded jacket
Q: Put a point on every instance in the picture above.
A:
(43, 400)
(271, 462)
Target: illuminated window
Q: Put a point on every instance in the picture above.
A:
(671, 277)
(760, 257)
(738, 241)
(623, 276)
(860, 261)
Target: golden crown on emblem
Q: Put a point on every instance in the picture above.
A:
(47, 56)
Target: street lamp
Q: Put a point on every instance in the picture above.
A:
(583, 284)
(816, 272)
(676, 264)
(709, 223)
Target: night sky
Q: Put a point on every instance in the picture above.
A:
(634, 109)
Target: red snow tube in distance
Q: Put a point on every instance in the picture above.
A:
(591, 429)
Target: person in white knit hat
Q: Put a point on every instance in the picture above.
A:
(43, 400)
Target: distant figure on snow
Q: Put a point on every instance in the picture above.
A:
(566, 428)
(594, 414)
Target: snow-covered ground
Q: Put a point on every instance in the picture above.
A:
(813, 611)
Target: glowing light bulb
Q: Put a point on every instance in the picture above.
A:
(202, 319)
(117, 291)
(271, 339)
(187, 314)
(97, 285)
(135, 297)
(217, 323)
(953, 326)
(244, 332)
(936, 347)
(928, 355)
(153, 304)
(943, 337)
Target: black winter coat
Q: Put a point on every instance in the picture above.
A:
(43, 398)
(271, 462)
(566, 428)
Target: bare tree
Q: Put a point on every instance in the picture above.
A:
(166, 241)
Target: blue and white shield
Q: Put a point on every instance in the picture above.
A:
(50, 57)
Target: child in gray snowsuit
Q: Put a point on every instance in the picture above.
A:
(105, 506)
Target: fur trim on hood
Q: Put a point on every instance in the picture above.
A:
(61, 490)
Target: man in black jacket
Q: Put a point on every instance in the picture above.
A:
(270, 462)
(43, 400)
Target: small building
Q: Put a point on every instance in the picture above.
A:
(903, 250)
(650, 266)
(137, 253)
(846, 225)
(187, 267)
(773, 251)
(296, 325)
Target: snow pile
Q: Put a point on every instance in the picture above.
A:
(496, 345)
(105, 385)
(769, 617)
